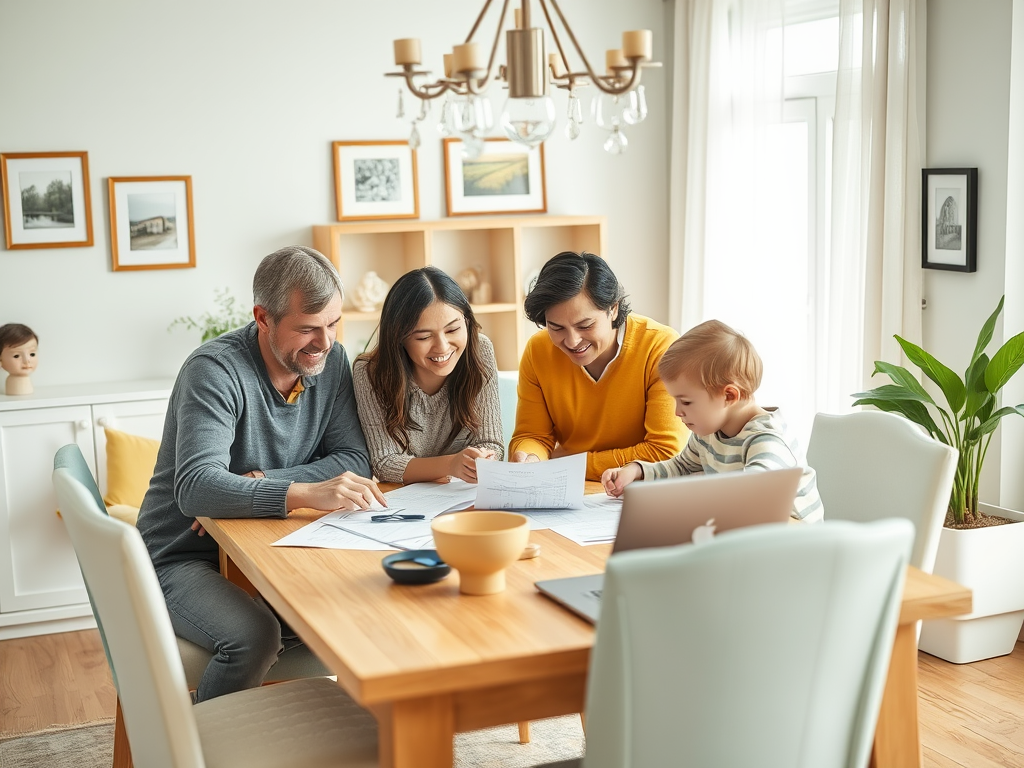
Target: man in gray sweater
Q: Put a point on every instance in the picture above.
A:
(261, 421)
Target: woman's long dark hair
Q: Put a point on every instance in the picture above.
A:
(390, 370)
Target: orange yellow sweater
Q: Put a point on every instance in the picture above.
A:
(624, 416)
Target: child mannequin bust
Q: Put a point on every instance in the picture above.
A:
(18, 356)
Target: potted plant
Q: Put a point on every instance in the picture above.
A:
(227, 317)
(977, 546)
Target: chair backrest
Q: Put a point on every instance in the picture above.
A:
(872, 465)
(766, 646)
(508, 397)
(137, 631)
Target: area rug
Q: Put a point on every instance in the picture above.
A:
(92, 746)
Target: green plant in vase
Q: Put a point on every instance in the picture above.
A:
(969, 417)
(228, 316)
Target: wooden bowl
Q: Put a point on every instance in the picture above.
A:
(480, 545)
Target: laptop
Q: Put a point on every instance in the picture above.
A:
(665, 513)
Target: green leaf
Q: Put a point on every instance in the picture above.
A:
(1005, 363)
(986, 331)
(952, 387)
(910, 409)
(977, 393)
(903, 377)
(894, 392)
(992, 422)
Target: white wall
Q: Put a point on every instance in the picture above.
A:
(968, 126)
(246, 97)
(1012, 479)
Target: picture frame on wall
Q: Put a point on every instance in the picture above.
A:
(949, 214)
(46, 199)
(151, 223)
(375, 180)
(505, 178)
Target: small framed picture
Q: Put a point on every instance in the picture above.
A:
(949, 213)
(375, 180)
(151, 222)
(46, 199)
(506, 178)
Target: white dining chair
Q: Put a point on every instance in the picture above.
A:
(767, 646)
(308, 722)
(872, 465)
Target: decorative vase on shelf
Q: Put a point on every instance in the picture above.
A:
(370, 293)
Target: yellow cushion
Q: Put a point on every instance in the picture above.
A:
(124, 513)
(130, 463)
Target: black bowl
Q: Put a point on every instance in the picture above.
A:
(416, 566)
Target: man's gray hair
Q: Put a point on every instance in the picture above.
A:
(295, 268)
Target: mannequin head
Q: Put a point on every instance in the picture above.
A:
(18, 356)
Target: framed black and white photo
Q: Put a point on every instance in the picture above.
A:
(151, 222)
(46, 199)
(375, 180)
(505, 178)
(949, 212)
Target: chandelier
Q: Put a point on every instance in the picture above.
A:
(528, 116)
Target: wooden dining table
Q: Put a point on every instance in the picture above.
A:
(430, 662)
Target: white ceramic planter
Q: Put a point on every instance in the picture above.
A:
(990, 561)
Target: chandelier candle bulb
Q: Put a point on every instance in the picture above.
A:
(557, 68)
(468, 57)
(614, 58)
(449, 58)
(638, 43)
(407, 51)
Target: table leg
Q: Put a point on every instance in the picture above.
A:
(897, 736)
(416, 733)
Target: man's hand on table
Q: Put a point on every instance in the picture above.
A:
(347, 491)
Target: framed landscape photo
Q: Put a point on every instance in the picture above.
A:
(506, 178)
(949, 213)
(375, 180)
(46, 199)
(151, 222)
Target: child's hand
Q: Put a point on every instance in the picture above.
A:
(616, 480)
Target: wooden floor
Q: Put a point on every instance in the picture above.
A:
(971, 715)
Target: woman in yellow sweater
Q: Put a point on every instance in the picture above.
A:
(590, 383)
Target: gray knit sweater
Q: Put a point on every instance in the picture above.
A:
(433, 415)
(225, 419)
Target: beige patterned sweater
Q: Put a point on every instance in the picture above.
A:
(431, 413)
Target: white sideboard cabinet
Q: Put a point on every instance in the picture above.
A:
(41, 588)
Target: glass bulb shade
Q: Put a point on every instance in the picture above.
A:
(472, 116)
(637, 110)
(609, 111)
(528, 121)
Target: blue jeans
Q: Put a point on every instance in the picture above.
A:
(241, 632)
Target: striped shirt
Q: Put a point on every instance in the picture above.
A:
(763, 444)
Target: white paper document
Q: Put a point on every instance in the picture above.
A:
(355, 530)
(596, 523)
(555, 484)
(431, 499)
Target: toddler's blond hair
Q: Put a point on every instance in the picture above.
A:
(716, 356)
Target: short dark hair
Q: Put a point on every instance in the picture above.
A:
(16, 334)
(567, 275)
(390, 371)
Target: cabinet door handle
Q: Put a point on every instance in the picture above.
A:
(104, 422)
(82, 424)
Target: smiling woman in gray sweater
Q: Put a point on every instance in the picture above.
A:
(428, 394)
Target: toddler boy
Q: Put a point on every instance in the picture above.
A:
(712, 372)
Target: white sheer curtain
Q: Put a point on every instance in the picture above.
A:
(818, 320)
(874, 273)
